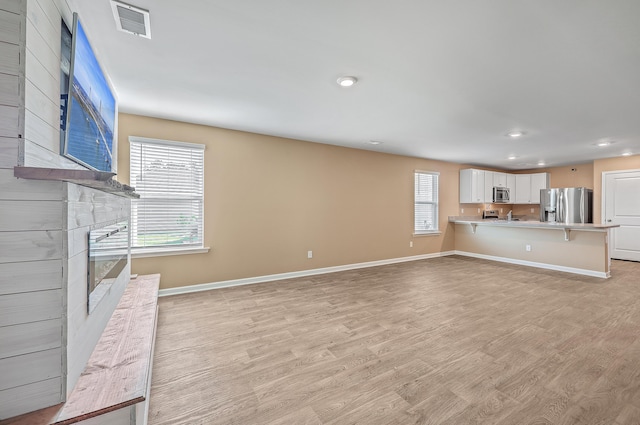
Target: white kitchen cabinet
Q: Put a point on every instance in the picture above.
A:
(472, 186)
(511, 185)
(476, 186)
(522, 193)
(499, 179)
(528, 187)
(488, 187)
(538, 181)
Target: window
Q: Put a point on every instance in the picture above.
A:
(426, 202)
(169, 176)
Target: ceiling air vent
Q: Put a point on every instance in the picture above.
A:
(131, 19)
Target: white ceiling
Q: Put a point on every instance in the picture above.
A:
(438, 79)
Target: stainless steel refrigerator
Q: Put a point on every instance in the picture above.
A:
(566, 205)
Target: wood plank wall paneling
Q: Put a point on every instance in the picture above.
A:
(9, 152)
(42, 89)
(13, 6)
(40, 49)
(33, 367)
(43, 80)
(47, 26)
(39, 131)
(65, 11)
(13, 189)
(37, 100)
(20, 400)
(9, 125)
(9, 90)
(37, 156)
(10, 27)
(30, 338)
(30, 307)
(87, 207)
(9, 58)
(77, 242)
(30, 246)
(30, 215)
(30, 276)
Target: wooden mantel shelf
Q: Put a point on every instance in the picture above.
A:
(100, 180)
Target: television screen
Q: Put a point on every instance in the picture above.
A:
(90, 107)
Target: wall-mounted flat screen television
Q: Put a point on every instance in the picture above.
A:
(89, 109)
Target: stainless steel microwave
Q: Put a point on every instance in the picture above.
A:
(501, 195)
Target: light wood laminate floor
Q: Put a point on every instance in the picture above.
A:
(452, 340)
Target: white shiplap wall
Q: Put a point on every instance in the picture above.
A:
(31, 294)
(46, 335)
(12, 34)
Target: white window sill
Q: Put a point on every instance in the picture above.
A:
(155, 252)
(434, 233)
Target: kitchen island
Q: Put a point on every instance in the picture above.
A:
(575, 248)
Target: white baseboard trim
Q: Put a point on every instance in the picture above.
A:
(291, 275)
(585, 272)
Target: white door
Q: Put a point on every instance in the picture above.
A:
(621, 198)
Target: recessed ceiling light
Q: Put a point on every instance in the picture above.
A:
(541, 163)
(626, 154)
(516, 133)
(604, 142)
(347, 81)
(512, 157)
(374, 142)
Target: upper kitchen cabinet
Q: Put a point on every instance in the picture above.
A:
(499, 179)
(476, 186)
(528, 187)
(538, 181)
(472, 186)
(488, 186)
(522, 194)
(511, 184)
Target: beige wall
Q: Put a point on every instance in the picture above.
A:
(579, 175)
(609, 164)
(269, 200)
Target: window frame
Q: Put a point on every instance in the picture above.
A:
(435, 231)
(169, 249)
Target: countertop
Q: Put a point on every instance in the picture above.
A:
(475, 220)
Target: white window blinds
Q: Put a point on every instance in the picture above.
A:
(426, 202)
(169, 176)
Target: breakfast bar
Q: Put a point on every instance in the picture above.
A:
(580, 248)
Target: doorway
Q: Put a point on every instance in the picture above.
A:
(621, 206)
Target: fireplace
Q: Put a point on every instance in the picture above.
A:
(109, 253)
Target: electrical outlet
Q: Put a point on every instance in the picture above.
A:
(532, 210)
(500, 210)
(527, 247)
(461, 210)
(478, 210)
(309, 254)
(410, 244)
